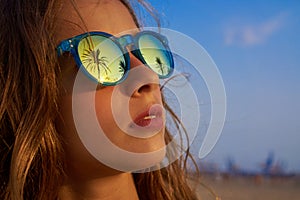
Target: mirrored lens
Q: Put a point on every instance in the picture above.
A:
(155, 54)
(102, 59)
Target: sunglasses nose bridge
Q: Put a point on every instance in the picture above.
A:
(126, 41)
(128, 44)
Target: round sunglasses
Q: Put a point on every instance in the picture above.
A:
(105, 59)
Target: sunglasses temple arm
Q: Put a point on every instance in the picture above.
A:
(64, 46)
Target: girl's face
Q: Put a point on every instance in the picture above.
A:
(112, 17)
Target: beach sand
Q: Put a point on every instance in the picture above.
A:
(249, 187)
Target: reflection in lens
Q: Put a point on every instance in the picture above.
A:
(102, 59)
(155, 54)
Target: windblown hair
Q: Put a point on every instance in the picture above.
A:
(31, 153)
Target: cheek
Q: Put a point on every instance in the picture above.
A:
(73, 146)
(111, 118)
(104, 111)
(79, 161)
(82, 159)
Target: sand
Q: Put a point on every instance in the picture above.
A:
(249, 188)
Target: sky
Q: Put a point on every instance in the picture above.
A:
(256, 47)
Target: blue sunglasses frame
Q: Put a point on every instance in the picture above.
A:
(131, 41)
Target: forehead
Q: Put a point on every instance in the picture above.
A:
(93, 15)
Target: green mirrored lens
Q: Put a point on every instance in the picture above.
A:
(102, 59)
(155, 54)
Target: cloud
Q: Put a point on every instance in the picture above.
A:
(253, 34)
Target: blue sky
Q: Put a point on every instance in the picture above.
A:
(256, 46)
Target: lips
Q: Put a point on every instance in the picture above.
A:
(151, 118)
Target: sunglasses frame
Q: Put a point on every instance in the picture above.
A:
(126, 41)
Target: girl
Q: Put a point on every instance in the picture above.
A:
(43, 155)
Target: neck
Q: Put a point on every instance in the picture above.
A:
(118, 186)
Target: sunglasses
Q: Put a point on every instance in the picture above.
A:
(105, 59)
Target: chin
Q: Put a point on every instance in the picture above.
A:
(152, 153)
(147, 161)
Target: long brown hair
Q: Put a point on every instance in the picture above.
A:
(31, 153)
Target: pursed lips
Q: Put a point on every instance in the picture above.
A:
(152, 114)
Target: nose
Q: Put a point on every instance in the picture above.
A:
(141, 79)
